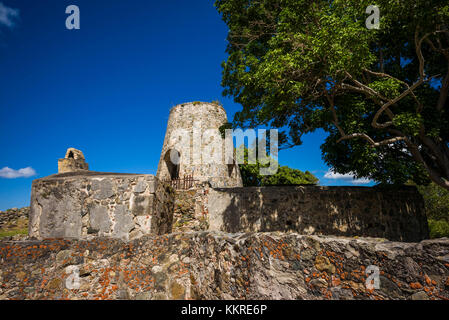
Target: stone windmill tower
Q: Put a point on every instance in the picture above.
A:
(193, 146)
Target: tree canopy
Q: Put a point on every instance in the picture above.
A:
(380, 94)
(284, 176)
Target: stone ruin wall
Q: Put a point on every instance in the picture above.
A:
(12, 216)
(81, 205)
(91, 204)
(191, 209)
(393, 213)
(215, 265)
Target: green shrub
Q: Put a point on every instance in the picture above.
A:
(438, 228)
(436, 202)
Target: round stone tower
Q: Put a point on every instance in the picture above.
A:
(193, 146)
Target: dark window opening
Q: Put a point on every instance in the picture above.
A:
(71, 155)
(230, 169)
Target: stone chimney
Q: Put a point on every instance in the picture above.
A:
(73, 161)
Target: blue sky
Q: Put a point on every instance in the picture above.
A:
(107, 88)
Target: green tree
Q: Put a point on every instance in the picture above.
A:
(381, 95)
(436, 200)
(438, 228)
(284, 176)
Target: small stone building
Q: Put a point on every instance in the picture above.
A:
(73, 161)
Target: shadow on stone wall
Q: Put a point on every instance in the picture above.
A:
(393, 213)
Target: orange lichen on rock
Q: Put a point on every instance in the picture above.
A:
(415, 285)
(149, 270)
(335, 281)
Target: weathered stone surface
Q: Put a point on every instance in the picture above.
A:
(124, 222)
(62, 257)
(102, 189)
(62, 215)
(190, 211)
(140, 187)
(215, 265)
(88, 204)
(394, 213)
(142, 205)
(322, 263)
(421, 295)
(99, 219)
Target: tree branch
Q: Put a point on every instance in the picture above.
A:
(370, 140)
(422, 76)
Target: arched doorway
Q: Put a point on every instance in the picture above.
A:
(172, 158)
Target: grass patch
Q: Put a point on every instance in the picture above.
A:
(10, 233)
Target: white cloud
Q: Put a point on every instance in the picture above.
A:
(8, 16)
(21, 173)
(347, 177)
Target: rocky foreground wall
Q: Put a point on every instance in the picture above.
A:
(213, 265)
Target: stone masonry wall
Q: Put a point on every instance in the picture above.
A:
(190, 209)
(87, 204)
(11, 216)
(392, 213)
(162, 208)
(214, 265)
